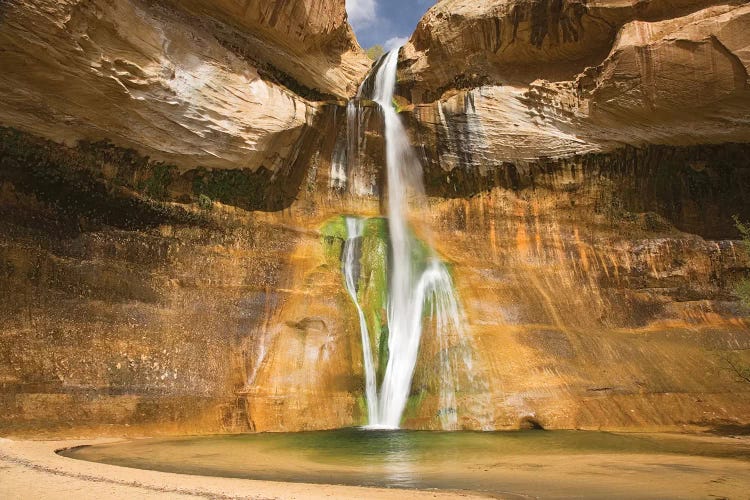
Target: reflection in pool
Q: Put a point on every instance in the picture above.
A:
(546, 463)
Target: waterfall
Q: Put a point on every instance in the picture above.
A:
(346, 174)
(446, 316)
(352, 134)
(413, 282)
(338, 169)
(350, 265)
(404, 305)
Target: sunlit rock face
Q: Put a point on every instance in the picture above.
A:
(463, 44)
(688, 75)
(681, 81)
(589, 315)
(177, 86)
(308, 40)
(546, 126)
(678, 82)
(586, 308)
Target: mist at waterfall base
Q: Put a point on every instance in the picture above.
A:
(413, 285)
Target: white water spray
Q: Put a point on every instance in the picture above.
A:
(350, 267)
(346, 174)
(412, 284)
(404, 302)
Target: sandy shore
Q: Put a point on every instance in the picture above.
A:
(32, 469)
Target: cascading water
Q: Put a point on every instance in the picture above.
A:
(352, 134)
(350, 265)
(413, 283)
(346, 175)
(404, 305)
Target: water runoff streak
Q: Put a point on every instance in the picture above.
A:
(350, 265)
(412, 285)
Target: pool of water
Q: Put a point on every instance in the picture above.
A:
(536, 463)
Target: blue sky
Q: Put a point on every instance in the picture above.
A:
(385, 22)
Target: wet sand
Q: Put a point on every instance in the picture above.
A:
(32, 470)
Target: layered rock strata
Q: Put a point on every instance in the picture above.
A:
(463, 44)
(681, 81)
(586, 306)
(310, 41)
(179, 87)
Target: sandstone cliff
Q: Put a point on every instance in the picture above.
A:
(464, 44)
(308, 40)
(170, 212)
(679, 81)
(173, 83)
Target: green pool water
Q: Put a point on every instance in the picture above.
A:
(534, 463)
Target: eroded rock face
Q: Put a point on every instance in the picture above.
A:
(464, 44)
(680, 82)
(583, 314)
(688, 75)
(585, 214)
(148, 76)
(309, 40)
(585, 305)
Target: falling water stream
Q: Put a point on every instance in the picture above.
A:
(350, 265)
(404, 302)
(412, 284)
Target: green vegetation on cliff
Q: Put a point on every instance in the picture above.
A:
(743, 287)
(333, 233)
(231, 187)
(90, 184)
(373, 288)
(161, 177)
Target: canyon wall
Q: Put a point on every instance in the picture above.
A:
(173, 83)
(171, 202)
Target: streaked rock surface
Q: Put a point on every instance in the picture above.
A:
(680, 81)
(309, 40)
(177, 87)
(582, 175)
(463, 44)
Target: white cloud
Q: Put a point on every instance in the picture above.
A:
(396, 41)
(361, 12)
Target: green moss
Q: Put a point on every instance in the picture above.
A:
(334, 228)
(744, 229)
(205, 203)
(742, 289)
(414, 403)
(382, 343)
(373, 287)
(396, 105)
(333, 234)
(360, 410)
